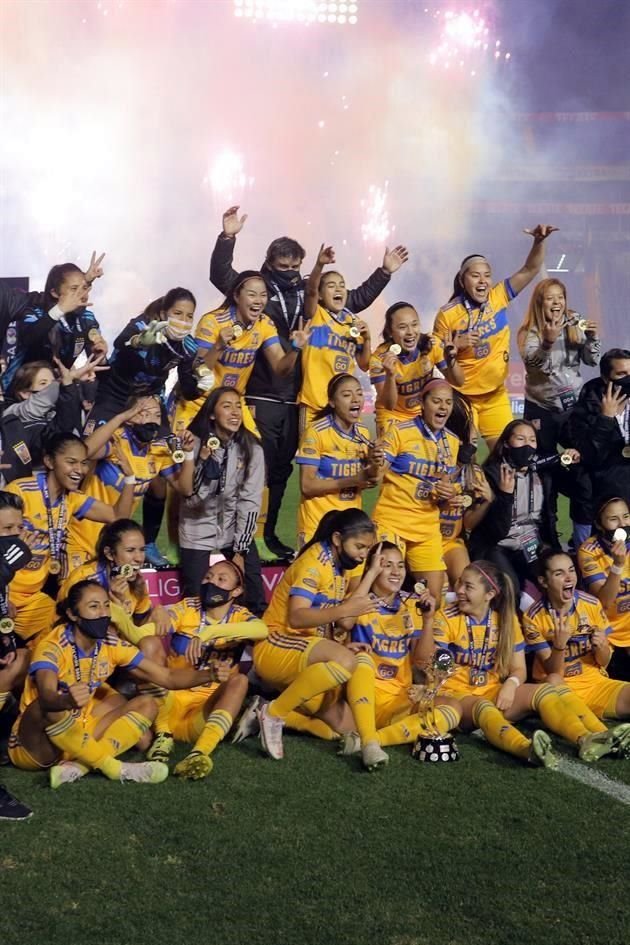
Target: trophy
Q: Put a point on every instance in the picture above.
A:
(431, 745)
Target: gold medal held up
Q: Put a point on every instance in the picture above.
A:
(355, 332)
(6, 625)
(213, 442)
(237, 331)
(127, 571)
(395, 349)
(467, 500)
(566, 459)
(54, 567)
(94, 334)
(626, 452)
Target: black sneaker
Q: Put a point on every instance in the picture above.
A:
(278, 548)
(11, 808)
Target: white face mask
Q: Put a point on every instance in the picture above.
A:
(176, 330)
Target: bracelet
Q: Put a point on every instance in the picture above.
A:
(129, 480)
(189, 454)
(616, 569)
(558, 649)
(513, 679)
(294, 346)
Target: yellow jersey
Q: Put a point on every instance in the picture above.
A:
(336, 454)
(595, 563)
(415, 370)
(235, 363)
(330, 350)
(486, 368)
(147, 460)
(315, 576)
(586, 614)
(69, 508)
(417, 459)
(136, 604)
(473, 647)
(58, 652)
(390, 631)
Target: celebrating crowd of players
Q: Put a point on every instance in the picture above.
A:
(455, 555)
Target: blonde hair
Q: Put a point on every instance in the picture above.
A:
(504, 602)
(535, 320)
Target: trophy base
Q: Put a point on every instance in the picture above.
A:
(435, 748)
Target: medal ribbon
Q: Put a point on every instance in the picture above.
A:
(76, 665)
(55, 532)
(441, 443)
(476, 666)
(299, 306)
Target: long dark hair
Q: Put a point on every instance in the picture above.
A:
(54, 280)
(498, 450)
(333, 384)
(238, 284)
(112, 534)
(504, 602)
(458, 282)
(56, 442)
(424, 342)
(73, 598)
(153, 311)
(203, 426)
(348, 522)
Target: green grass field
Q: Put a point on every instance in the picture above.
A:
(313, 850)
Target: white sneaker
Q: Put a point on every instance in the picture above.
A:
(373, 756)
(248, 722)
(270, 732)
(349, 744)
(144, 772)
(66, 772)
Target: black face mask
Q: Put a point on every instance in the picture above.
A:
(520, 456)
(14, 554)
(145, 432)
(211, 595)
(623, 383)
(286, 279)
(466, 453)
(347, 563)
(94, 627)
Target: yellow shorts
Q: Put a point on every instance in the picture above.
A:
(35, 613)
(307, 416)
(186, 719)
(491, 412)
(600, 695)
(281, 658)
(453, 544)
(391, 707)
(460, 691)
(187, 410)
(419, 555)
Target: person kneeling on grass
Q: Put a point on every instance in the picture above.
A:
(398, 635)
(568, 630)
(210, 629)
(71, 720)
(484, 637)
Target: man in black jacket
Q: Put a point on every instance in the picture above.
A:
(273, 399)
(599, 426)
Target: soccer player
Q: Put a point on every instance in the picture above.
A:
(71, 720)
(401, 366)
(604, 563)
(301, 659)
(568, 631)
(336, 458)
(483, 635)
(476, 318)
(51, 500)
(420, 461)
(203, 716)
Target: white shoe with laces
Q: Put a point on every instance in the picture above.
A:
(248, 722)
(373, 756)
(144, 772)
(270, 732)
(66, 772)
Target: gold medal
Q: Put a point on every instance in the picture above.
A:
(6, 625)
(395, 349)
(355, 332)
(237, 331)
(582, 324)
(619, 534)
(626, 452)
(127, 571)
(54, 567)
(466, 500)
(213, 442)
(178, 456)
(566, 459)
(94, 334)
(419, 587)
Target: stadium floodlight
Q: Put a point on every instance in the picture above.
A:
(298, 11)
(227, 177)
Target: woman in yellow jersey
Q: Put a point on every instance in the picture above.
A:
(301, 659)
(71, 720)
(420, 461)
(483, 635)
(476, 317)
(338, 342)
(397, 633)
(209, 629)
(569, 632)
(51, 500)
(336, 457)
(407, 359)
(133, 438)
(604, 563)
(229, 340)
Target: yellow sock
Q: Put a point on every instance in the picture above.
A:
(498, 730)
(557, 715)
(218, 724)
(577, 706)
(4, 698)
(162, 722)
(360, 695)
(306, 723)
(70, 735)
(125, 732)
(312, 681)
(445, 719)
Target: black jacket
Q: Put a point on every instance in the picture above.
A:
(496, 524)
(600, 442)
(263, 381)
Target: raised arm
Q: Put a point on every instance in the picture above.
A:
(325, 257)
(222, 273)
(535, 258)
(363, 296)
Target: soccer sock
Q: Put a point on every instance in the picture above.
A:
(165, 699)
(498, 730)
(315, 679)
(70, 736)
(577, 706)
(126, 731)
(4, 698)
(445, 719)
(306, 723)
(218, 724)
(360, 695)
(152, 512)
(556, 715)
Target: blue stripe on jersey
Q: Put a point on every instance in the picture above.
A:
(322, 337)
(42, 664)
(600, 576)
(534, 647)
(300, 592)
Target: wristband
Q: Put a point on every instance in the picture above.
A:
(56, 313)
(558, 649)
(189, 454)
(129, 480)
(514, 679)
(616, 569)
(294, 346)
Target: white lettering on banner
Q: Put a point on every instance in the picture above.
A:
(165, 587)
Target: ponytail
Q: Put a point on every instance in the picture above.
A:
(504, 603)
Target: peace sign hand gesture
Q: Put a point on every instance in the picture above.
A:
(299, 338)
(94, 270)
(325, 256)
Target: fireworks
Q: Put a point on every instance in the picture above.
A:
(375, 227)
(298, 11)
(465, 40)
(227, 177)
